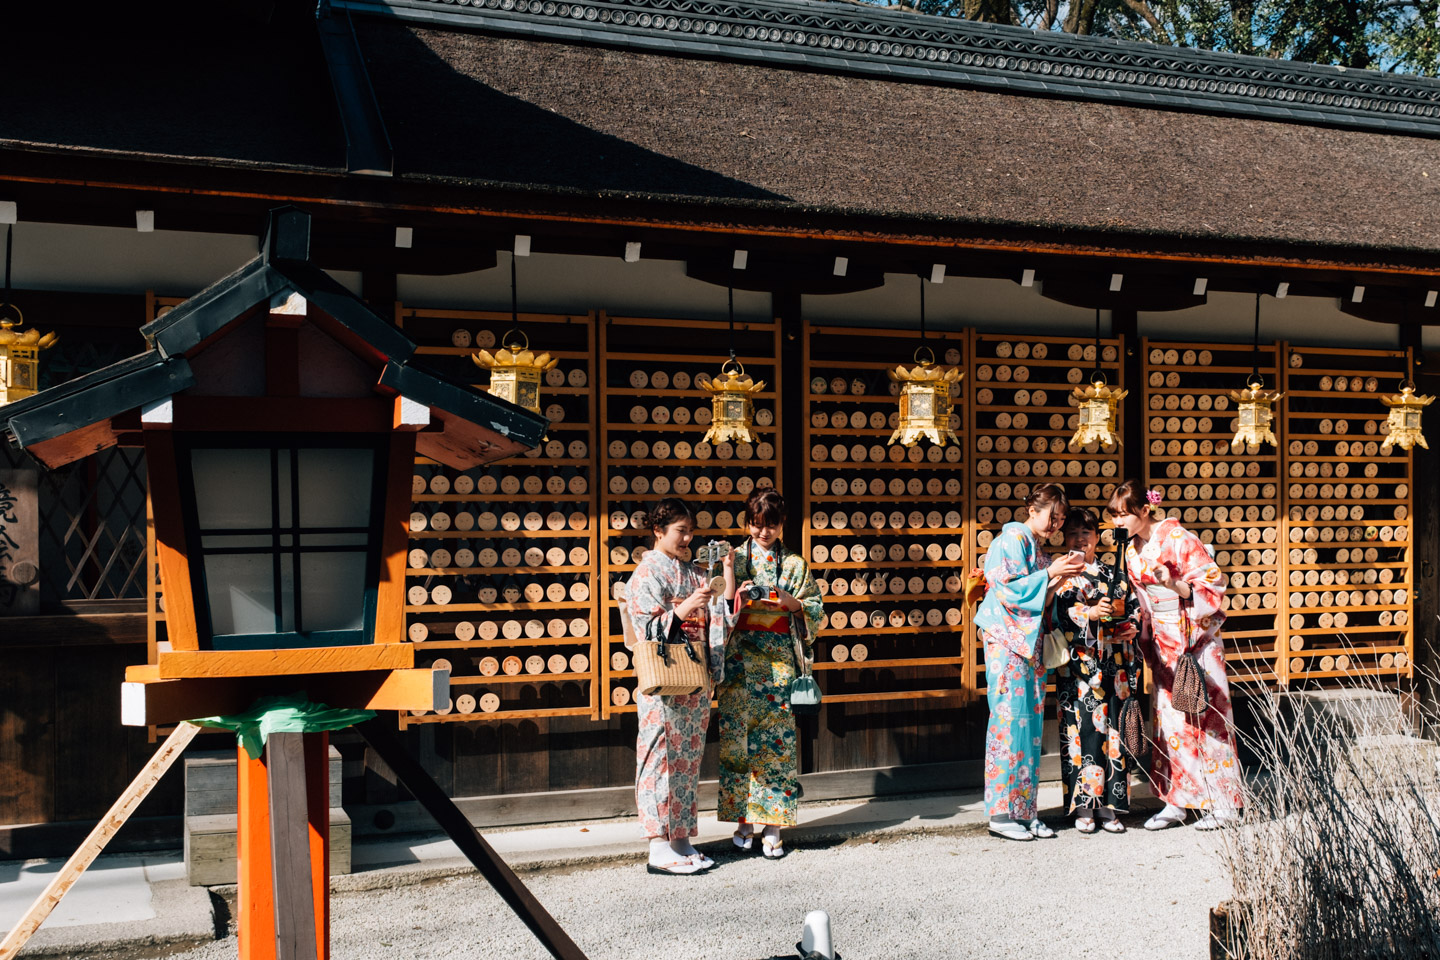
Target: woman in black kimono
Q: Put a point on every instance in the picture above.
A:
(1096, 611)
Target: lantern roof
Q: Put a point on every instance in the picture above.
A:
(95, 411)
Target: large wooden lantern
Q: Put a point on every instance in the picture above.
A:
(280, 419)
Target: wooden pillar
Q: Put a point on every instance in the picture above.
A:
(1125, 322)
(284, 850)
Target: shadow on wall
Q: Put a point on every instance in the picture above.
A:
(444, 123)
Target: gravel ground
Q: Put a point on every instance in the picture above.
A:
(948, 897)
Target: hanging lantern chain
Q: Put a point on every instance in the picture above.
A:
(731, 290)
(9, 248)
(1255, 347)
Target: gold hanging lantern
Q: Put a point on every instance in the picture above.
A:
(1253, 414)
(1404, 419)
(926, 392)
(20, 357)
(1097, 404)
(731, 404)
(515, 370)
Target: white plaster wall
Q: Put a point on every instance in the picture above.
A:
(57, 256)
(552, 283)
(52, 256)
(1308, 321)
(988, 305)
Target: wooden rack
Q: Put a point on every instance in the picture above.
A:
(651, 429)
(502, 570)
(1315, 536)
(1228, 495)
(1022, 396)
(884, 526)
(1349, 569)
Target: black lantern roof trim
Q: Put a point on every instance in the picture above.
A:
(163, 370)
(851, 38)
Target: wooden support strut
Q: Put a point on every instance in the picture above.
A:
(381, 737)
(108, 826)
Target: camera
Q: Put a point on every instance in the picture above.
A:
(753, 592)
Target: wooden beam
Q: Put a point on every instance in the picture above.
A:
(294, 897)
(171, 551)
(149, 702)
(255, 916)
(108, 826)
(284, 414)
(395, 539)
(270, 663)
(75, 630)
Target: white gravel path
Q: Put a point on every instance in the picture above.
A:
(951, 897)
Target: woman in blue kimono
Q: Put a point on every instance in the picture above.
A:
(1020, 585)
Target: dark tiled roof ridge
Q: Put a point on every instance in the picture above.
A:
(850, 37)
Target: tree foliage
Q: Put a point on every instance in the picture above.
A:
(1391, 35)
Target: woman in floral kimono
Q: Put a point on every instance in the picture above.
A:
(1102, 673)
(1182, 599)
(759, 767)
(1021, 582)
(671, 740)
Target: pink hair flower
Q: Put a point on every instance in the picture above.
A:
(1153, 497)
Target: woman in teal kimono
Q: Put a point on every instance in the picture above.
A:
(1020, 585)
(759, 765)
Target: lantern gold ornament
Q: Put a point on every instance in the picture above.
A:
(20, 357)
(1403, 422)
(515, 370)
(1253, 414)
(925, 400)
(734, 411)
(1097, 404)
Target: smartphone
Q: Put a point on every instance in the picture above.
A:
(1077, 554)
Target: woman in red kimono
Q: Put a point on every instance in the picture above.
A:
(1182, 601)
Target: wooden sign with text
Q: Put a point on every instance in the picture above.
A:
(19, 543)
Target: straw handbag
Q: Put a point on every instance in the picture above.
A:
(666, 666)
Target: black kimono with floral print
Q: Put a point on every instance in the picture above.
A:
(1101, 675)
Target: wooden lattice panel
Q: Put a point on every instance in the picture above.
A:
(502, 580)
(1348, 520)
(654, 419)
(884, 526)
(1228, 495)
(1022, 397)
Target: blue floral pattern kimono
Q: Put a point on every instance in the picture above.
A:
(759, 764)
(1011, 623)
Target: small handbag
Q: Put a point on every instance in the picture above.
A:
(975, 586)
(1133, 741)
(670, 666)
(1055, 651)
(804, 691)
(1187, 692)
(1187, 688)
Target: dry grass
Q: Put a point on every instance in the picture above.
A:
(1339, 855)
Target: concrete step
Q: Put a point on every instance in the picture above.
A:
(211, 848)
